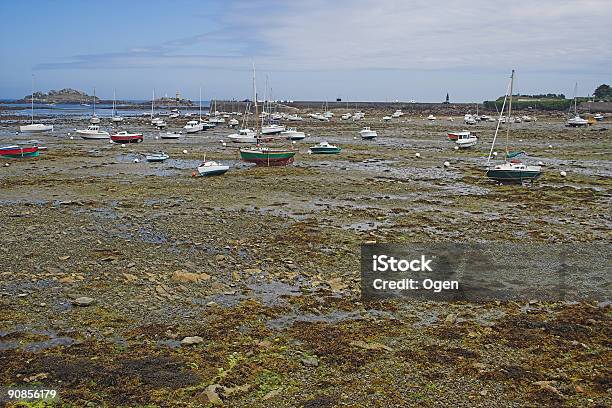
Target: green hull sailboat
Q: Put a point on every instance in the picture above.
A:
(512, 171)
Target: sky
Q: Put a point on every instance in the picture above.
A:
(366, 50)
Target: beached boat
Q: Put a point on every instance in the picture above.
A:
(576, 121)
(233, 122)
(386, 118)
(465, 141)
(193, 126)
(267, 156)
(244, 136)
(35, 127)
(127, 137)
(157, 157)
(293, 134)
(94, 120)
(272, 129)
(456, 135)
(294, 118)
(598, 117)
(512, 171)
(469, 119)
(115, 118)
(263, 155)
(325, 148)
(170, 135)
(93, 132)
(398, 113)
(212, 168)
(18, 152)
(346, 116)
(367, 133)
(431, 117)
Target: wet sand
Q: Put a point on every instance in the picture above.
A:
(263, 265)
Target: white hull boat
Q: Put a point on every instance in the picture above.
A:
(35, 128)
(93, 132)
(272, 129)
(466, 142)
(157, 157)
(193, 126)
(170, 135)
(367, 133)
(244, 136)
(293, 134)
(577, 121)
(212, 168)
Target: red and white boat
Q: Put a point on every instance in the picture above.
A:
(457, 135)
(16, 152)
(127, 137)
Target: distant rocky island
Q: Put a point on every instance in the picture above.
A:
(66, 95)
(69, 95)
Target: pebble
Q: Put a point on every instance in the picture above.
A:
(450, 319)
(191, 340)
(83, 301)
(310, 361)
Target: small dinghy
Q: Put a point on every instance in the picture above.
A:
(325, 148)
(18, 152)
(212, 168)
(157, 157)
(170, 135)
(293, 134)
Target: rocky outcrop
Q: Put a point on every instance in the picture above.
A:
(66, 95)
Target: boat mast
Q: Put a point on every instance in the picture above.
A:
(114, 102)
(255, 102)
(152, 102)
(94, 106)
(501, 114)
(575, 99)
(200, 104)
(509, 115)
(32, 99)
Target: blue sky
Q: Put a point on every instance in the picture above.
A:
(310, 49)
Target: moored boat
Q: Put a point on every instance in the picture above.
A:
(170, 135)
(465, 141)
(267, 156)
(512, 171)
(157, 157)
(35, 128)
(18, 152)
(367, 133)
(325, 148)
(127, 137)
(212, 168)
(293, 134)
(455, 135)
(93, 132)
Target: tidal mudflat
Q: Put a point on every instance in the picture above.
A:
(108, 265)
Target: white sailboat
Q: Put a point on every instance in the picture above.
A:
(35, 127)
(94, 119)
(576, 121)
(115, 118)
(194, 126)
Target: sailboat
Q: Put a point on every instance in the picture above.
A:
(194, 126)
(94, 119)
(512, 170)
(576, 121)
(263, 155)
(35, 127)
(115, 118)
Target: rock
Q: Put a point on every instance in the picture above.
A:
(191, 340)
(212, 396)
(83, 301)
(450, 319)
(370, 346)
(237, 389)
(272, 394)
(189, 277)
(310, 361)
(64, 258)
(336, 284)
(264, 343)
(548, 386)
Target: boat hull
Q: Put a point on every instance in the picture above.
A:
(18, 153)
(325, 150)
(516, 176)
(267, 158)
(127, 139)
(35, 128)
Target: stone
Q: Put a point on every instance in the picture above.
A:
(83, 301)
(450, 319)
(212, 396)
(189, 277)
(192, 340)
(310, 361)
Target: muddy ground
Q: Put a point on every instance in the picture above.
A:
(263, 265)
